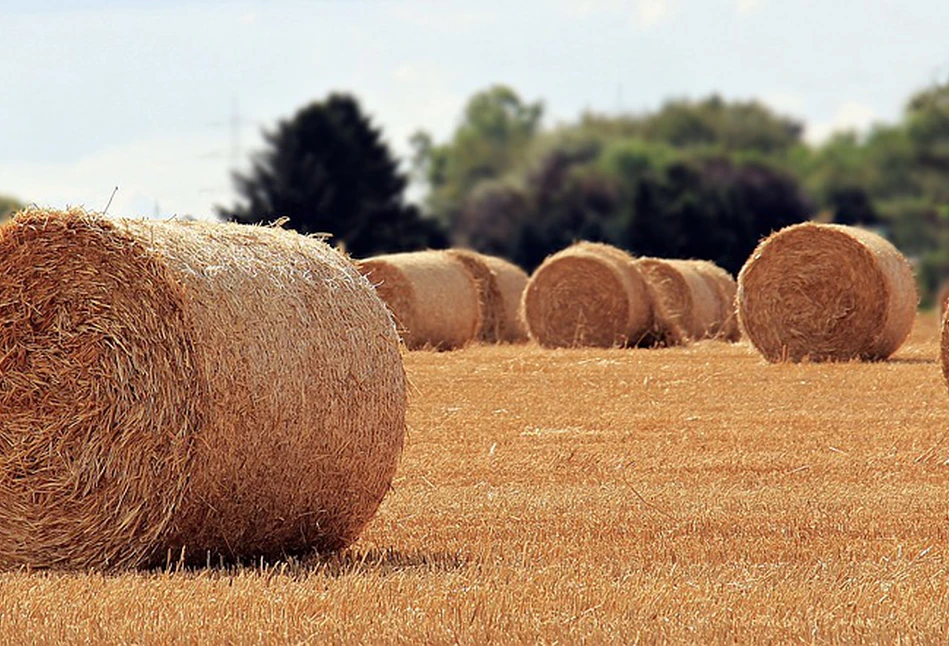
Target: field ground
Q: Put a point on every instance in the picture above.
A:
(601, 495)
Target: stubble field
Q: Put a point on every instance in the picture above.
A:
(623, 496)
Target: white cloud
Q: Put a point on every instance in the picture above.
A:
(644, 14)
(747, 6)
(850, 116)
(649, 13)
(422, 14)
(161, 176)
(785, 102)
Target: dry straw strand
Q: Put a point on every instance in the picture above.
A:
(195, 388)
(826, 292)
(433, 298)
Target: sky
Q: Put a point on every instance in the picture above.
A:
(164, 99)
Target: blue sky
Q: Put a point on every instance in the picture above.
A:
(140, 95)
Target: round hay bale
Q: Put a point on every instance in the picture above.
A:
(187, 390)
(511, 280)
(489, 293)
(684, 294)
(500, 285)
(432, 296)
(826, 292)
(587, 295)
(722, 284)
(663, 331)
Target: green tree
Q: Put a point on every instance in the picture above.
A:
(491, 140)
(712, 209)
(711, 124)
(328, 170)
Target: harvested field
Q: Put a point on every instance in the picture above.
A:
(689, 494)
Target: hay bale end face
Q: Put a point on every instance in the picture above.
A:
(588, 295)
(826, 293)
(169, 387)
(433, 298)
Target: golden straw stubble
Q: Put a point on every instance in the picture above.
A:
(202, 389)
(826, 292)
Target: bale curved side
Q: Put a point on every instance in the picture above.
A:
(727, 289)
(511, 281)
(826, 293)
(216, 389)
(489, 293)
(432, 297)
(672, 291)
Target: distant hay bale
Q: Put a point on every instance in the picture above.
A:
(433, 298)
(512, 280)
(190, 390)
(591, 294)
(500, 285)
(826, 293)
(684, 294)
(724, 285)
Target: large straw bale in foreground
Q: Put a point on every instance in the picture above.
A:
(433, 298)
(500, 285)
(207, 389)
(591, 294)
(826, 293)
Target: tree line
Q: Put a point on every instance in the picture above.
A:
(702, 178)
(695, 178)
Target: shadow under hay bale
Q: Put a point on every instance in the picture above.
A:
(826, 292)
(433, 298)
(591, 294)
(195, 388)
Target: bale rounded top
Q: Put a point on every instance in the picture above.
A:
(826, 292)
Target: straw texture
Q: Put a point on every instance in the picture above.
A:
(433, 298)
(684, 295)
(187, 388)
(511, 280)
(500, 285)
(722, 282)
(826, 293)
